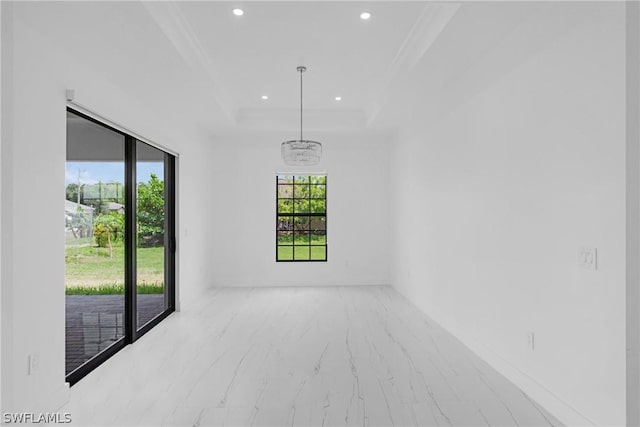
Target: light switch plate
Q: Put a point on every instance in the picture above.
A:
(589, 258)
(531, 340)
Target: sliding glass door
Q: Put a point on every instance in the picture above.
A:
(154, 247)
(94, 240)
(120, 244)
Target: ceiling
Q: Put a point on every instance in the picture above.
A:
(258, 53)
(203, 65)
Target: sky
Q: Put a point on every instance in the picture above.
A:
(93, 172)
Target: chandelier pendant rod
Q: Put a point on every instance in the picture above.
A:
(300, 105)
(301, 152)
(302, 70)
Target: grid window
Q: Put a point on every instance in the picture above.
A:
(301, 218)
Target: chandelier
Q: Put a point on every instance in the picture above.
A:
(301, 152)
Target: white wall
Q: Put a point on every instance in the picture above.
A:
(5, 84)
(241, 205)
(493, 197)
(33, 180)
(633, 211)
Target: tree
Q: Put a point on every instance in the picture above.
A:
(72, 192)
(151, 212)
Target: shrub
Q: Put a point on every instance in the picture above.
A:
(108, 227)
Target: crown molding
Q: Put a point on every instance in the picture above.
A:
(431, 22)
(176, 27)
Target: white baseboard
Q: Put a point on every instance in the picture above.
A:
(565, 413)
(59, 398)
(541, 395)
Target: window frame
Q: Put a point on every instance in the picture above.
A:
(305, 215)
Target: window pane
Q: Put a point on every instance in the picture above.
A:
(319, 253)
(285, 206)
(318, 223)
(285, 191)
(94, 240)
(285, 223)
(152, 294)
(318, 206)
(301, 252)
(318, 180)
(301, 206)
(302, 223)
(285, 237)
(301, 191)
(318, 191)
(318, 238)
(301, 179)
(301, 238)
(285, 253)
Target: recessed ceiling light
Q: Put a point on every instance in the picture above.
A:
(338, 98)
(365, 15)
(238, 12)
(264, 97)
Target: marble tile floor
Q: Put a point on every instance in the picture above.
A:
(322, 356)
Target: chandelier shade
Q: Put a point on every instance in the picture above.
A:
(301, 152)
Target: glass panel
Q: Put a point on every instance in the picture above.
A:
(301, 206)
(318, 223)
(94, 240)
(318, 206)
(150, 252)
(318, 191)
(285, 191)
(302, 223)
(285, 206)
(319, 253)
(301, 238)
(301, 191)
(301, 179)
(318, 238)
(285, 237)
(301, 252)
(285, 223)
(285, 253)
(317, 179)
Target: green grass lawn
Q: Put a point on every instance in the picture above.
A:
(286, 253)
(298, 245)
(90, 267)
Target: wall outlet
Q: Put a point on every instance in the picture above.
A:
(588, 258)
(34, 363)
(531, 340)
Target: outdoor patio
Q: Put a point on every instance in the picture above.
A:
(94, 322)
